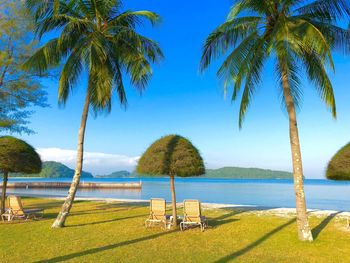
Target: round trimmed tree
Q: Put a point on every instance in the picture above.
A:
(16, 156)
(339, 166)
(171, 155)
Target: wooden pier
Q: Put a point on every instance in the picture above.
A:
(82, 185)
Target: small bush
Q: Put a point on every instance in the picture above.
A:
(171, 155)
(17, 156)
(339, 166)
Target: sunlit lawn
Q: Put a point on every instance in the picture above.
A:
(114, 232)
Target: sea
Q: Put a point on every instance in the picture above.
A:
(320, 194)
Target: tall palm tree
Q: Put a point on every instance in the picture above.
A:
(300, 39)
(98, 39)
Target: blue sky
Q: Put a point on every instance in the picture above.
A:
(181, 100)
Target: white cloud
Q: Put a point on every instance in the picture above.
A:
(94, 162)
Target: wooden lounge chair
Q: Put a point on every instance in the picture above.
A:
(17, 211)
(157, 213)
(193, 215)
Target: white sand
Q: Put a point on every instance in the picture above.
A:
(259, 210)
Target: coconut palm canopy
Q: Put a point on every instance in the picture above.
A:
(339, 166)
(171, 155)
(17, 156)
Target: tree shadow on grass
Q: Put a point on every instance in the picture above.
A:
(257, 242)
(104, 248)
(44, 205)
(95, 212)
(317, 230)
(107, 221)
(222, 220)
(231, 213)
(126, 205)
(216, 223)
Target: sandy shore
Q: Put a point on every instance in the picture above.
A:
(259, 210)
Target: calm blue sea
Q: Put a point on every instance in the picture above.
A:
(320, 194)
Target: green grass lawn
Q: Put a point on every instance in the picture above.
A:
(115, 232)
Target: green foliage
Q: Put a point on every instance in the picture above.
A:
(19, 89)
(18, 156)
(171, 155)
(339, 166)
(96, 37)
(300, 36)
(52, 169)
(247, 173)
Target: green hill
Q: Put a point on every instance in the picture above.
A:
(247, 173)
(54, 170)
(118, 174)
(225, 172)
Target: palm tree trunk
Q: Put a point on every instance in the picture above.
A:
(173, 200)
(3, 193)
(61, 218)
(304, 231)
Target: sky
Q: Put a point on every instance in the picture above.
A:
(179, 99)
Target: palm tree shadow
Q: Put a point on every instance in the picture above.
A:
(224, 219)
(106, 221)
(255, 243)
(216, 223)
(232, 213)
(318, 229)
(104, 248)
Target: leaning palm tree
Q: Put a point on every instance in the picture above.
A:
(97, 39)
(299, 38)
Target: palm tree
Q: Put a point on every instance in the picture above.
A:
(299, 38)
(98, 39)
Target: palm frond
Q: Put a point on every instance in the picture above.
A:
(337, 37)
(45, 57)
(286, 65)
(318, 76)
(233, 68)
(306, 36)
(226, 36)
(253, 77)
(259, 7)
(70, 74)
(327, 9)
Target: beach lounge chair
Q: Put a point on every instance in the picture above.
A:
(193, 215)
(17, 211)
(157, 213)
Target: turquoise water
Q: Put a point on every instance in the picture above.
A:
(320, 194)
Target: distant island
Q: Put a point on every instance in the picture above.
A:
(118, 174)
(58, 170)
(54, 170)
(247, 173)
(225, 172)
